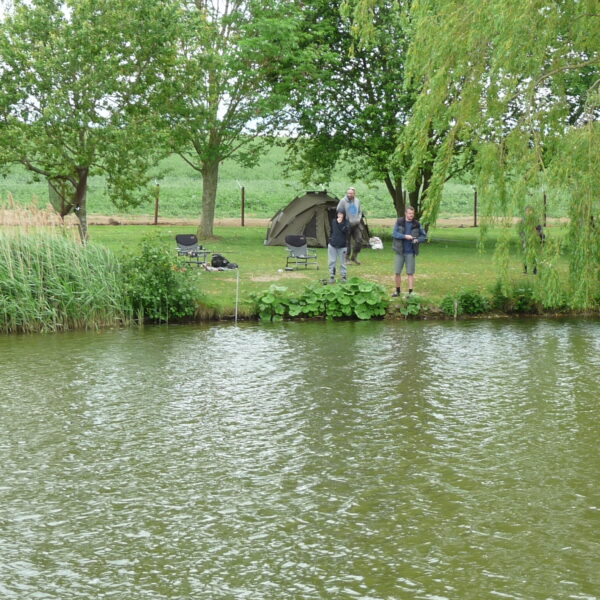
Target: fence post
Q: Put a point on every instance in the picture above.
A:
(243, 203)
(474, 207)
(156, 200)
(545, 208)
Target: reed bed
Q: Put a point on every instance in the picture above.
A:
(50, 282)
(13, 214)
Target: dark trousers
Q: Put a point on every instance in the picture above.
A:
(354, 240)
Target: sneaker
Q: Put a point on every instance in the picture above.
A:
(344, 280)
(331, 281)
(396, 294)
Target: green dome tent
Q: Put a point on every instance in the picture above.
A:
(309, 215)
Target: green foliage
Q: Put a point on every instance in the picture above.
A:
(159, 287)
(468, 302)
(272, 304)
(49, 282)
(515, 299)
(472, 302)
(411, 306)
(75, 82)
(528, 104)
(229, 86)
(450, 306)
(355, 299)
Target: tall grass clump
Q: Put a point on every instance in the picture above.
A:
(50, 282)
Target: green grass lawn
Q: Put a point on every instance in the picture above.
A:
(451, 262)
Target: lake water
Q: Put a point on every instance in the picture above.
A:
(372, 461)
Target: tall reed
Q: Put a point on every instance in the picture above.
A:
(50, 282)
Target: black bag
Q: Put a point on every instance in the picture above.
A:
(220, 262)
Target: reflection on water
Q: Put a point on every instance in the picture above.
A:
(302, 460)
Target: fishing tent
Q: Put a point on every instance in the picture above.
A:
(309, 215)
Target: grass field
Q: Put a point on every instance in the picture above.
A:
(267, 189)
(451, 262)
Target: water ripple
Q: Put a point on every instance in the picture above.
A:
(302, 460)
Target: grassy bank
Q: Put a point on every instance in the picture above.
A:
(453, 261)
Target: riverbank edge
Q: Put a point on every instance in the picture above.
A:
(394, 313)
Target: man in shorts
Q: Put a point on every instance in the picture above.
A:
(407, 236)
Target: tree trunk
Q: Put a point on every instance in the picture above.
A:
(415, 197)
(80, 202)
(395, 190)
(210, 176)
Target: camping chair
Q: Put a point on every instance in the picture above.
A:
(298, 255)
(187, 245)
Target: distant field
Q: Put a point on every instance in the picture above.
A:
(267, 189)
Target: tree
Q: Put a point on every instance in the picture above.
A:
(75, 79)
(353, 104)
(229, 88)
(523, 85)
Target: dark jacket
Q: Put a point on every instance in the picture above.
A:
(339, 232)
(398, 235)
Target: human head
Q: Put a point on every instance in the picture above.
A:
(409, 213)
(341, 214)
(351, 193)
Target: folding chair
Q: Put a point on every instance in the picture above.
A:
(298, 255)
(187, 245)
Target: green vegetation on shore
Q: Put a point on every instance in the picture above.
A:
(453, 261)
(48, 282)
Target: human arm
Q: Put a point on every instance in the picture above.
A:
(422, 236)
(398, 232)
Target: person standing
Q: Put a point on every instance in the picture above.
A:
(350, 206)
(336, 249)
(532, 238)
(407, 236)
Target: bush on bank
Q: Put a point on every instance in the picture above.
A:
(159, 288)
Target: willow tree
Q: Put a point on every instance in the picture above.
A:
(228, 89)
(75, 81)
(352, 104)
(521, 80)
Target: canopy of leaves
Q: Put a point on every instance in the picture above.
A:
(519, 79)
(75, 79)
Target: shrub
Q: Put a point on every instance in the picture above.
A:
(469, 302)
(520, 299)
(159, 287)
(451, 306)
(472, 302)
(411, 306)
(271, 304)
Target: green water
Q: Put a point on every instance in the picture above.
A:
(371, 461)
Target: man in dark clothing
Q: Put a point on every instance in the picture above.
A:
(336, 249)
(407, 236)
(350, 206)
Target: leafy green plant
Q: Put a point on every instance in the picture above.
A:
(471, 302)
(411, 306)
(159, 287)
(523, 300)
(451, 306)
(271, 304)
(357, 298)
(519, 299)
